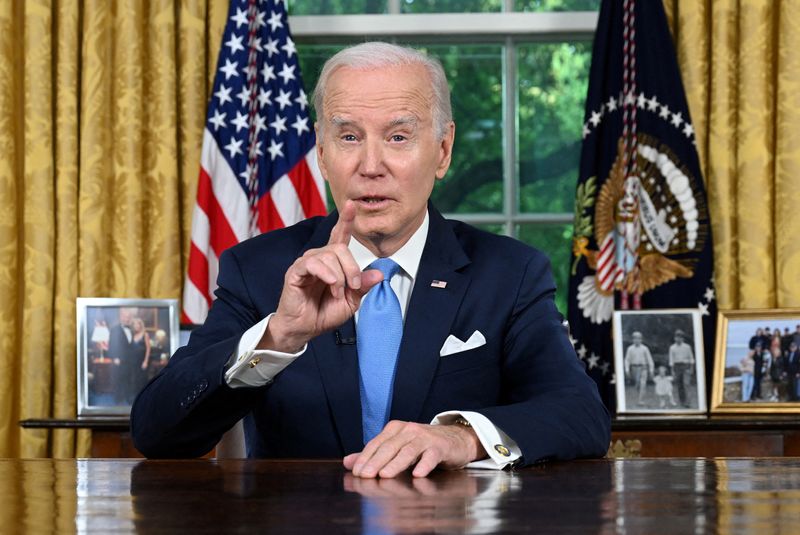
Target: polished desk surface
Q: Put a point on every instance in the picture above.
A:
(737, 495)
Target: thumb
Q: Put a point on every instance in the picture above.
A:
(369, 278)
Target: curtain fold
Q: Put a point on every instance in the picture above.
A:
(102, 107)
(741, 70)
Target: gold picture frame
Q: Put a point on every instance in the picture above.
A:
(745, 382)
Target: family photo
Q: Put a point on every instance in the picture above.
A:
(123, 343)
(761, 361)
(659, 361)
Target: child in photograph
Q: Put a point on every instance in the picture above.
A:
(638, 364)
(664, 388)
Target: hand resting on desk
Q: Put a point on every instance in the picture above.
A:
(402, 445)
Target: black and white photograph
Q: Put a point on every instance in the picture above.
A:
(122, 344)
(757, 363)
(658, 362)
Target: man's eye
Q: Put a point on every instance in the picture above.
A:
(398, 137)
(348, 137)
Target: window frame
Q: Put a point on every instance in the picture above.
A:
(507, 29)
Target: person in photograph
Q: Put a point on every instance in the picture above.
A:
(664, 388)
(119, 351)
(756, 338)
(139, 359)
(792, 362)
(786, 339)
(778, 377)
(681, 363)
(639, 364)
(746, 365)
(796, 335)
(775, 344)
(758, 369)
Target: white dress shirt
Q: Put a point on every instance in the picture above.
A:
(241, 374)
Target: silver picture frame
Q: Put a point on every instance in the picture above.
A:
(668, 383)
(122, 344)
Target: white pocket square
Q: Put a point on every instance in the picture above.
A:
(453, 345)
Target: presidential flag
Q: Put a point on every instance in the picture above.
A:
(258, 167)
(642, 238)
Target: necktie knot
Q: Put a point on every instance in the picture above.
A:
(387, 266)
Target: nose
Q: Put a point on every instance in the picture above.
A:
(372, 163)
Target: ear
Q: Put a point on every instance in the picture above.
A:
(320, 151)
(446, 150)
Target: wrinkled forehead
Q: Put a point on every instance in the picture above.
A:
(405, 90)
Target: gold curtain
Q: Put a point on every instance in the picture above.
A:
(102, 107)
(740, 63)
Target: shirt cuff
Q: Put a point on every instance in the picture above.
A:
(256, 367)
(502, 450)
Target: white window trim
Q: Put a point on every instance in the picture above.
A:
(547, 25)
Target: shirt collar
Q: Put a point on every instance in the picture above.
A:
(407, 257)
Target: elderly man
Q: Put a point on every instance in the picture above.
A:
(383, 333)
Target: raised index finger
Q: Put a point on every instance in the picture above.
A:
(344, 227)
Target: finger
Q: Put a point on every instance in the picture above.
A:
(429, 460)
(331, 260)
(397, 453)
(365, 464)
(307, 268)
(344, 227)
(350, 460)
(407, 456)
(369, 279)
(347, 264)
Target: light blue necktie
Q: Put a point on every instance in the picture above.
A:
(378, 333)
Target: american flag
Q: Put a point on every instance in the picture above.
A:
(258, 168)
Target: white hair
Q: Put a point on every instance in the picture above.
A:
(377, 54)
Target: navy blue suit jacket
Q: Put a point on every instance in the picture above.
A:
(527, 379)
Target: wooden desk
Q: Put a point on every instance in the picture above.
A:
(605, 496)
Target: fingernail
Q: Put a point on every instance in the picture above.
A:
(356, 282)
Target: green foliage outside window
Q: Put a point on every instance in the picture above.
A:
(550, 83)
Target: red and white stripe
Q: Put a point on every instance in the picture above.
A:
(221, 217)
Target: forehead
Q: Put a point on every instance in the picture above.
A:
(384, 91)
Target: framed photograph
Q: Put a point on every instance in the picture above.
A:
(659, 362)
(757, 362)
(122, 344)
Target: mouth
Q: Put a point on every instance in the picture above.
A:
(372, 202)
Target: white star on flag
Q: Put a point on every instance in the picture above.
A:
(258, 172)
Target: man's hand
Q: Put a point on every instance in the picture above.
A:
(403, 444)
(321, 290)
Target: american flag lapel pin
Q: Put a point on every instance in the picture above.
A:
(438, 284)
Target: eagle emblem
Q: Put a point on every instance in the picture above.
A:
(647, 225)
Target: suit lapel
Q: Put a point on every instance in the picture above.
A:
(429, 317)
(337, 361)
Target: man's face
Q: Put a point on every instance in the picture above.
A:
(378, 147)
(637, 340)
(125, 315)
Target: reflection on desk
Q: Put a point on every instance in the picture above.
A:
(606, 496)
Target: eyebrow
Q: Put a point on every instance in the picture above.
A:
(410, 120)
(404, 120)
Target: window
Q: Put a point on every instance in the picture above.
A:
(518, 72)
